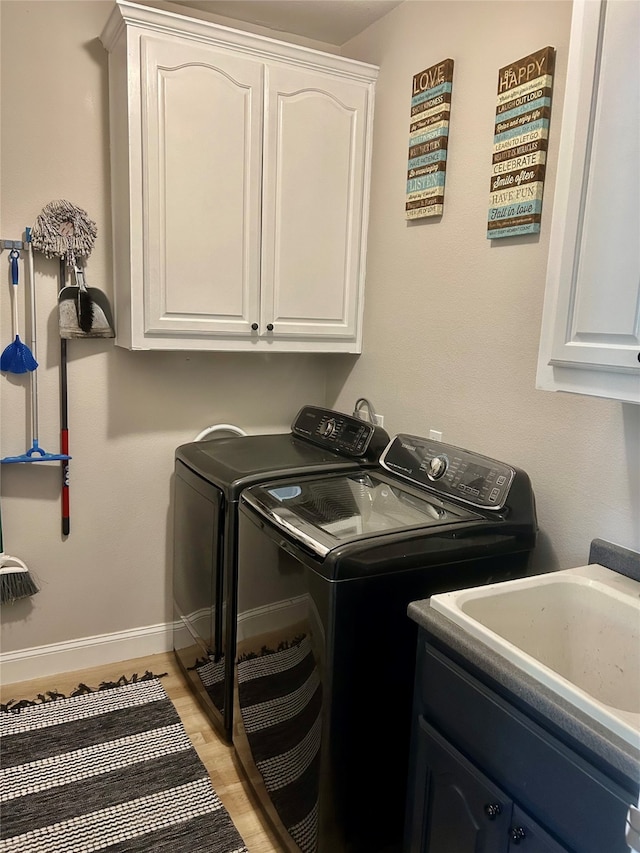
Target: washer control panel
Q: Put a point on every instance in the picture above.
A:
(339, 432)
(451, 471)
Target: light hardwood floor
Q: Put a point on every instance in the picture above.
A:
(219, 758)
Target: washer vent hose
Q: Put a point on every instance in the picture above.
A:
(371, 412)
(219, 428)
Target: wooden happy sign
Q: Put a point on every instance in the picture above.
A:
(520, 145)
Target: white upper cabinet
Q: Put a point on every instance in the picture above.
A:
(590, 341)
(240, 187)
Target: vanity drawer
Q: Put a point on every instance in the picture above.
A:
(573, 799)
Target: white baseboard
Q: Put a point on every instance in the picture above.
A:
(40, 661)
(86, 652)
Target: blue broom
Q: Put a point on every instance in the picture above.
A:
(17, 357)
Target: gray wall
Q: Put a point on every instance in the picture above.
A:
(452, 320)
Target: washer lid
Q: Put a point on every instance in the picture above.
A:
(324, 512)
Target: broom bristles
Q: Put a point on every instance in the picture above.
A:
(16, 583)
(84, 310)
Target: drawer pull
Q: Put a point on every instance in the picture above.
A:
(492, 810)
(516, 834)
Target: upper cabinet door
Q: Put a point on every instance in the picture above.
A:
(314, 203)
(202, 141)
(591, 326)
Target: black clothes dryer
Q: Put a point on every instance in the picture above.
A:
(327, 565)
(209, 476)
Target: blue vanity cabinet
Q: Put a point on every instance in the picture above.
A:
(487, 777)
(457, 809)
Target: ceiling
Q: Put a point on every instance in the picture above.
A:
(331, 21)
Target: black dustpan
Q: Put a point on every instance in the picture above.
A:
(84, 312)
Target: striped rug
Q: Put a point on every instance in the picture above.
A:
(111, 770)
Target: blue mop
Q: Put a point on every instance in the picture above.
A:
(17, 357)
(35, 452)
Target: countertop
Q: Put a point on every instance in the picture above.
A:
(585, 735)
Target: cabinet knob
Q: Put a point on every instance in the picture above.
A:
(492, 810)
(269, 327)
(254, 326)
(517, 833)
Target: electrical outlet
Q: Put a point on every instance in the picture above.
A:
(379, 420)
(435, 435)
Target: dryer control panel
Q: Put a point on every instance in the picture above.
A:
(339, 432)
(450, 471)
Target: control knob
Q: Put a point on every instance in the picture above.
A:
(328, 428)
(437, 467)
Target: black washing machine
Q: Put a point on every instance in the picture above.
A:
(209, 476)
(327, 565)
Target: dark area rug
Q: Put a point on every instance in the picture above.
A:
(111, 769)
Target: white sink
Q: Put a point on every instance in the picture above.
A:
(577, 631)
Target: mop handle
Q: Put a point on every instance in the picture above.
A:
(64, 420)
(32, 305)
(14, 254)
(64, 440)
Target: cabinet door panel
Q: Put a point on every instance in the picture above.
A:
(591, 328)
(202, 189)
(313, 203)
(605, 309)
(458, 801)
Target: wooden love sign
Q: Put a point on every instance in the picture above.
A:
(428, 140)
